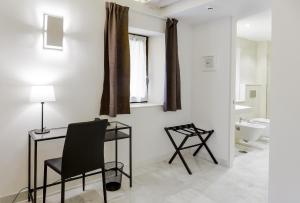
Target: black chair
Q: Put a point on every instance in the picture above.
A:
(83, 152)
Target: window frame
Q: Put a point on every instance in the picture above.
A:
(147, 67)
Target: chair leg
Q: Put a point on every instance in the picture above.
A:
(83, 181)
(104, 186)
(45, 183)
(62, 200)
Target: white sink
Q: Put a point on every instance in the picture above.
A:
(241, 107)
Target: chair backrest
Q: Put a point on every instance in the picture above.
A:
(84, 148)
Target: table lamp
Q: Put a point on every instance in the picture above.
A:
(42, 94)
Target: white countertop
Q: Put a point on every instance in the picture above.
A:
(241, 107)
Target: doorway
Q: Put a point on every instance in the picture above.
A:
(250, 87)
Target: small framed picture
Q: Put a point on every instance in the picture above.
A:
(209, 63)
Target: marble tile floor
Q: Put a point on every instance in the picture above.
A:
(245, 182)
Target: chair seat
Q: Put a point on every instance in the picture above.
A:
(55, 164)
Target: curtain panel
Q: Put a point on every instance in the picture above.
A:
(116, 87)
(172, 87)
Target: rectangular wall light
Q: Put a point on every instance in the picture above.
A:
(53, 32)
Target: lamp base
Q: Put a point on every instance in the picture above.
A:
(40, 132)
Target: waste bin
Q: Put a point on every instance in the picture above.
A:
(113, 175)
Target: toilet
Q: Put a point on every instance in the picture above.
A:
(248, 131)
(265, 122)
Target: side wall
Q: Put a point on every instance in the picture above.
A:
(285, 100)
(77, 76)
(211, 90)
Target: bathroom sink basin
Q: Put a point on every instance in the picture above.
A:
(241, 107)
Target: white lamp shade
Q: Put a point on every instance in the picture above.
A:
(42, 94)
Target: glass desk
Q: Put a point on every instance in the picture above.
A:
(115, 131)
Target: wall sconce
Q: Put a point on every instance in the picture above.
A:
(53, 32)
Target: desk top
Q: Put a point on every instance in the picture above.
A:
(112, 132)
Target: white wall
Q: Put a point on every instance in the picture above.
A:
(253, 64)
(263, 70)
(285, 100)
(248, 61)
(211, 90)
(263, 62)
(254, 61)
(77, 75)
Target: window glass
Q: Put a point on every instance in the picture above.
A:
(138, 69)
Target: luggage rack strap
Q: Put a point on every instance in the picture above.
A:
(189, 128)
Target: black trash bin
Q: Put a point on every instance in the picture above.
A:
(113, 176)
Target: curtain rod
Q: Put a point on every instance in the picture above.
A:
(148, 14)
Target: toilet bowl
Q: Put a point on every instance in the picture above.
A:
(249, 132)
(265, 122)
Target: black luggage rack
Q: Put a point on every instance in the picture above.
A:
(189, 130)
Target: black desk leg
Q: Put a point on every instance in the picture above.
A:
(35, 173)
(29, 167)
(116, 150)
(130, 155)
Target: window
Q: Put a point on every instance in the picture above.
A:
(138, 68)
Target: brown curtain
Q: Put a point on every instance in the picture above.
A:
(116, 89)
(172, 89)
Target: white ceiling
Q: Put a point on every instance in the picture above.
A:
(257, 27)
(163, 3)
(196, 11)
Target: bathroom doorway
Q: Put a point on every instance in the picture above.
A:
(250, 122)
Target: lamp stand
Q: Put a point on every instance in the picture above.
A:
(42, 130)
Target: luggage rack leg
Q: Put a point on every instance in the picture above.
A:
(178, 151)
(204, 144)
(200, 147)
